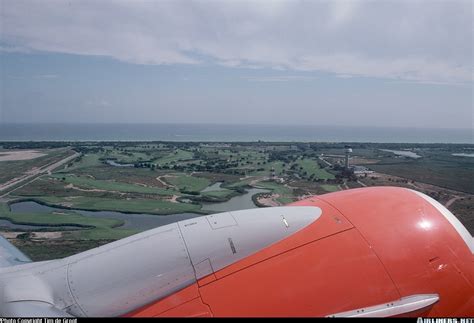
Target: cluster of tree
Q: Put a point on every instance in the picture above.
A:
(89, 149)
(148, 164)
(34, 144)
(284, 156)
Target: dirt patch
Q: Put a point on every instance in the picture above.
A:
(363, 161)
(66, 204)
(173, 199)
(71, 186)
(12, 155)
(269, 200)
(259, 179)
(165, 184)
(47, 235)
(10, 234)
(452, 200)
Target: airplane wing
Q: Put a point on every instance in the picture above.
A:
(10, 255)
(379, 251)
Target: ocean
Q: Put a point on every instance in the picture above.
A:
(229, 133)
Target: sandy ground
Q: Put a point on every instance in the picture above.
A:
(71, 186)
(47, 235)
(172, 199)
(10, 235)
(164, 183)
(452, 200)
(258, 179)
(11, 155)
(270, 201)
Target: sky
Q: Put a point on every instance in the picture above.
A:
(404, 63)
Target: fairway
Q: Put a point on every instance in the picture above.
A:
(88, 183)
(309, 167)
(127, 206)
(187, 183)
(174, 157)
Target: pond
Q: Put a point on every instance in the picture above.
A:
(239, 202)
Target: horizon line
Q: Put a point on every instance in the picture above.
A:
(229, 124)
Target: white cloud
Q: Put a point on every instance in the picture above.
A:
(423, 41)
(342, 11)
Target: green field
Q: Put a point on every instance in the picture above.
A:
(128, 206)
(439, 169)
(330, 188)
(174, 156)
(110, 185)
(277, 167)
(310, 167)
(188, 183)
(66, 218)
(286, 193)
(85, 161)
(91, 227)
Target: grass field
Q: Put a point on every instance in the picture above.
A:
(277, 167)
(458, 176)
(311, 167)
(464, 210)
(66, 218)
(175, 156)
(188, 183)
(128, 206)
(89, 183)
(94, 228)
(330, 188)
(279, 189)
(85, 161)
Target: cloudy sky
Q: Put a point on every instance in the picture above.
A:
(386, 63)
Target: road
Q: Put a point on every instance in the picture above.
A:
(34, 174)
(452, 200)
(324, 160)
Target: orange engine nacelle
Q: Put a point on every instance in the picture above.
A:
(380, 251)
